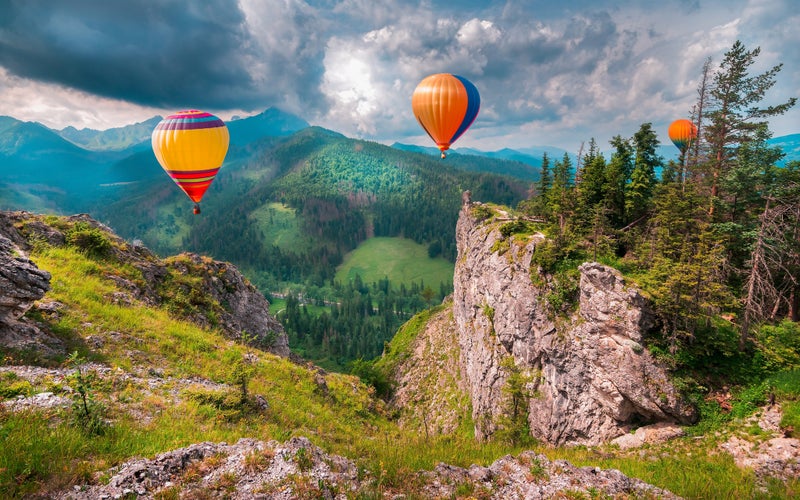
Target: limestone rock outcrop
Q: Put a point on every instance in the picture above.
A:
(22, 283)
(590, 377)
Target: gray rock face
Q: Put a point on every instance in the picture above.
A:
(21, 282)
(590, 377)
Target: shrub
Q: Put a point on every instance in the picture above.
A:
(481, 212)
(780, 345)
(366, 371)
(12, 386)
(514, 227)
(90, 240)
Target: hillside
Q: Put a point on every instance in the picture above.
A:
(293, 201)
(123, 367)
(175, 408)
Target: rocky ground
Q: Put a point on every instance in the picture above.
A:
(298, 469)
(251, 469)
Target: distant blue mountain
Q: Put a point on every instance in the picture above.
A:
(504, 162)
(529, 156)
(42, 167)
(271, 123)
(113, 139)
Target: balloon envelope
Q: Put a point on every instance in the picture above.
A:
(445, 105)
(682, 132)
(191, 146)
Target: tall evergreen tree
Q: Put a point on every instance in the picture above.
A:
(734, 113)
(618, 172)
(643, 177)
(560, 201)
(591, 190)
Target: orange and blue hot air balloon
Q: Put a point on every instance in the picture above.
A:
(191, 146)
(445, 105)
(682, 132)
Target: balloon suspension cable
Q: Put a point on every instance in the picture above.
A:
(196, 209)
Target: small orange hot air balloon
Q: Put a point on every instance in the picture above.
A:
(445, 105)
(191, 146)
(682, 132)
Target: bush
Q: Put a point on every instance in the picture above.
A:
(87, 412)
(790, 421)
(12, 386)
(366, 371)
(514, 227)
(780, 345)
(481, 212)
(90, 240)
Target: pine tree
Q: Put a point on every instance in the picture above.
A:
(545, 178)
(618, 172)
(643, 177)
(591, 190)
(560, 201)
(735, 116)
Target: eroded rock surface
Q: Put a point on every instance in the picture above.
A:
(591, 378)
(22, 283)
(429, 384)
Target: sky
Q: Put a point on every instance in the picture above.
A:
(550, 73)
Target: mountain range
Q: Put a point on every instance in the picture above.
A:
(43, 168)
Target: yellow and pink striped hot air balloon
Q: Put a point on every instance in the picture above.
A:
(191, 146)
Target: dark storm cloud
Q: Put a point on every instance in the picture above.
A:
(157, 53)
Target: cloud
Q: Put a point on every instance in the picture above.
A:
(548, 72)
(151, 53)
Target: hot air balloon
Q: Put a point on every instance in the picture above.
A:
(445, 105)
(682, 132)
(191, 146)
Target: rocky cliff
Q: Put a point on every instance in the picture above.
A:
(208, 292)
(588, 378)
(21, 284)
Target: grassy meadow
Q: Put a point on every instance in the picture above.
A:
(401, 260)
(281, 227)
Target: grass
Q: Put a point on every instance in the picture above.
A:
(786, 387)
(400, 345)
(281, 227)
(42, 452)
(400, 260)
